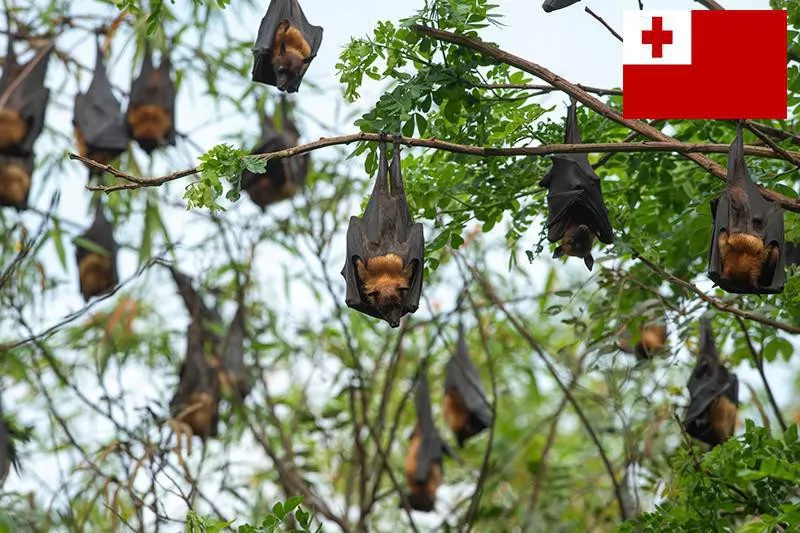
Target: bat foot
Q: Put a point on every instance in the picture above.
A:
(181, 430)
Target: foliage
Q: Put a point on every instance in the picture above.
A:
(278, 520)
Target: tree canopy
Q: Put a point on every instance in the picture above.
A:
(584, 435)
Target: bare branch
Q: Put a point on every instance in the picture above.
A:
(604, 23)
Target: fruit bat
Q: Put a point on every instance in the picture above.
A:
(97, 271)
(423, 467)
(465, 407)
(285, 46)
(577, 213)
(195, 405)
(554, 5)
(228, 351)
(283, 177)
(713, 392)
(8, 452)
(100, 130)
(385, 250)
(746, 255)
(151, 110)
(15, 180)
(23, 101)
(653, 339)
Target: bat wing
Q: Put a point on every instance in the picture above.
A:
(155, 87)
(233, 353)
(708, 381)
(574, 189)
(278, 11)
(196, 376)
(29, 99)
(462, 376)
(415, 255)
(102, 234)
(99, 115)
(553, 5)
(271, 141)
(356, 242)
(766, 220)
(430, 451)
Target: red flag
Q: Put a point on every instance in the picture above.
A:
(704, 64)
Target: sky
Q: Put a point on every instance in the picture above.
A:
(568, 42)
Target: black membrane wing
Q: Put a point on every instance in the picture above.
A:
(708, 381)
(155, 87)
(101, 234)
(386, 227)
(233, 354)
(98, 113)
(553, 5)
(278, 11)
(574, 190)
(462, 377)
(764, 218)
(431, 449)
(28, 98)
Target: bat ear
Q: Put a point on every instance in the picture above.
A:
(589, 261)
(559, 252)
(283, 47)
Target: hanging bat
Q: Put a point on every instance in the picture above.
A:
(195, 406)
(151, 110)
(713, 394)
(236, 377)
(283, 177)
(100, 130)
(97, 262)
(652, 340)
(554, 5)
(230, 362)
(385, 250)
(423, 467)
(577, 214)
(15, 180)
(465, 407)
(746, 255)
(23, 102)
(285, 46)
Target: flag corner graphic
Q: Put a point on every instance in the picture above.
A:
(704, 64)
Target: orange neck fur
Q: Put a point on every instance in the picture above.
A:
(384, 274)
(14, 184)
(742, 256)
(95, 276)
(723, 417)
(12, 128)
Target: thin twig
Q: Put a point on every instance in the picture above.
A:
(716, 303)
(604, 23)
(759, 362)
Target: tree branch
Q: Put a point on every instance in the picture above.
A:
(604, 23)
(547, 88)
(591, 102)
(716, 303)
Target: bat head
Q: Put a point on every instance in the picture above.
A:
(385, 282)
(287, 66)
(15, 180)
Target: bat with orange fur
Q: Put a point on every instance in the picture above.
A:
(283, 177)
(285, 46)
(424, 467)
(100, 130)
(23, 102)
(151, 110)
(577, 214)
(713, 392)
(96, 255)
(652, 339)
(385, 249)
(746, 255)
(464, 407)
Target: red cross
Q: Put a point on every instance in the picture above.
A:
(657, 37)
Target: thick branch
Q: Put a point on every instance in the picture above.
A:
(548, 88)
(591, 102)
(135, 182)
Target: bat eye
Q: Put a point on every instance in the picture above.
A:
(373, 294)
